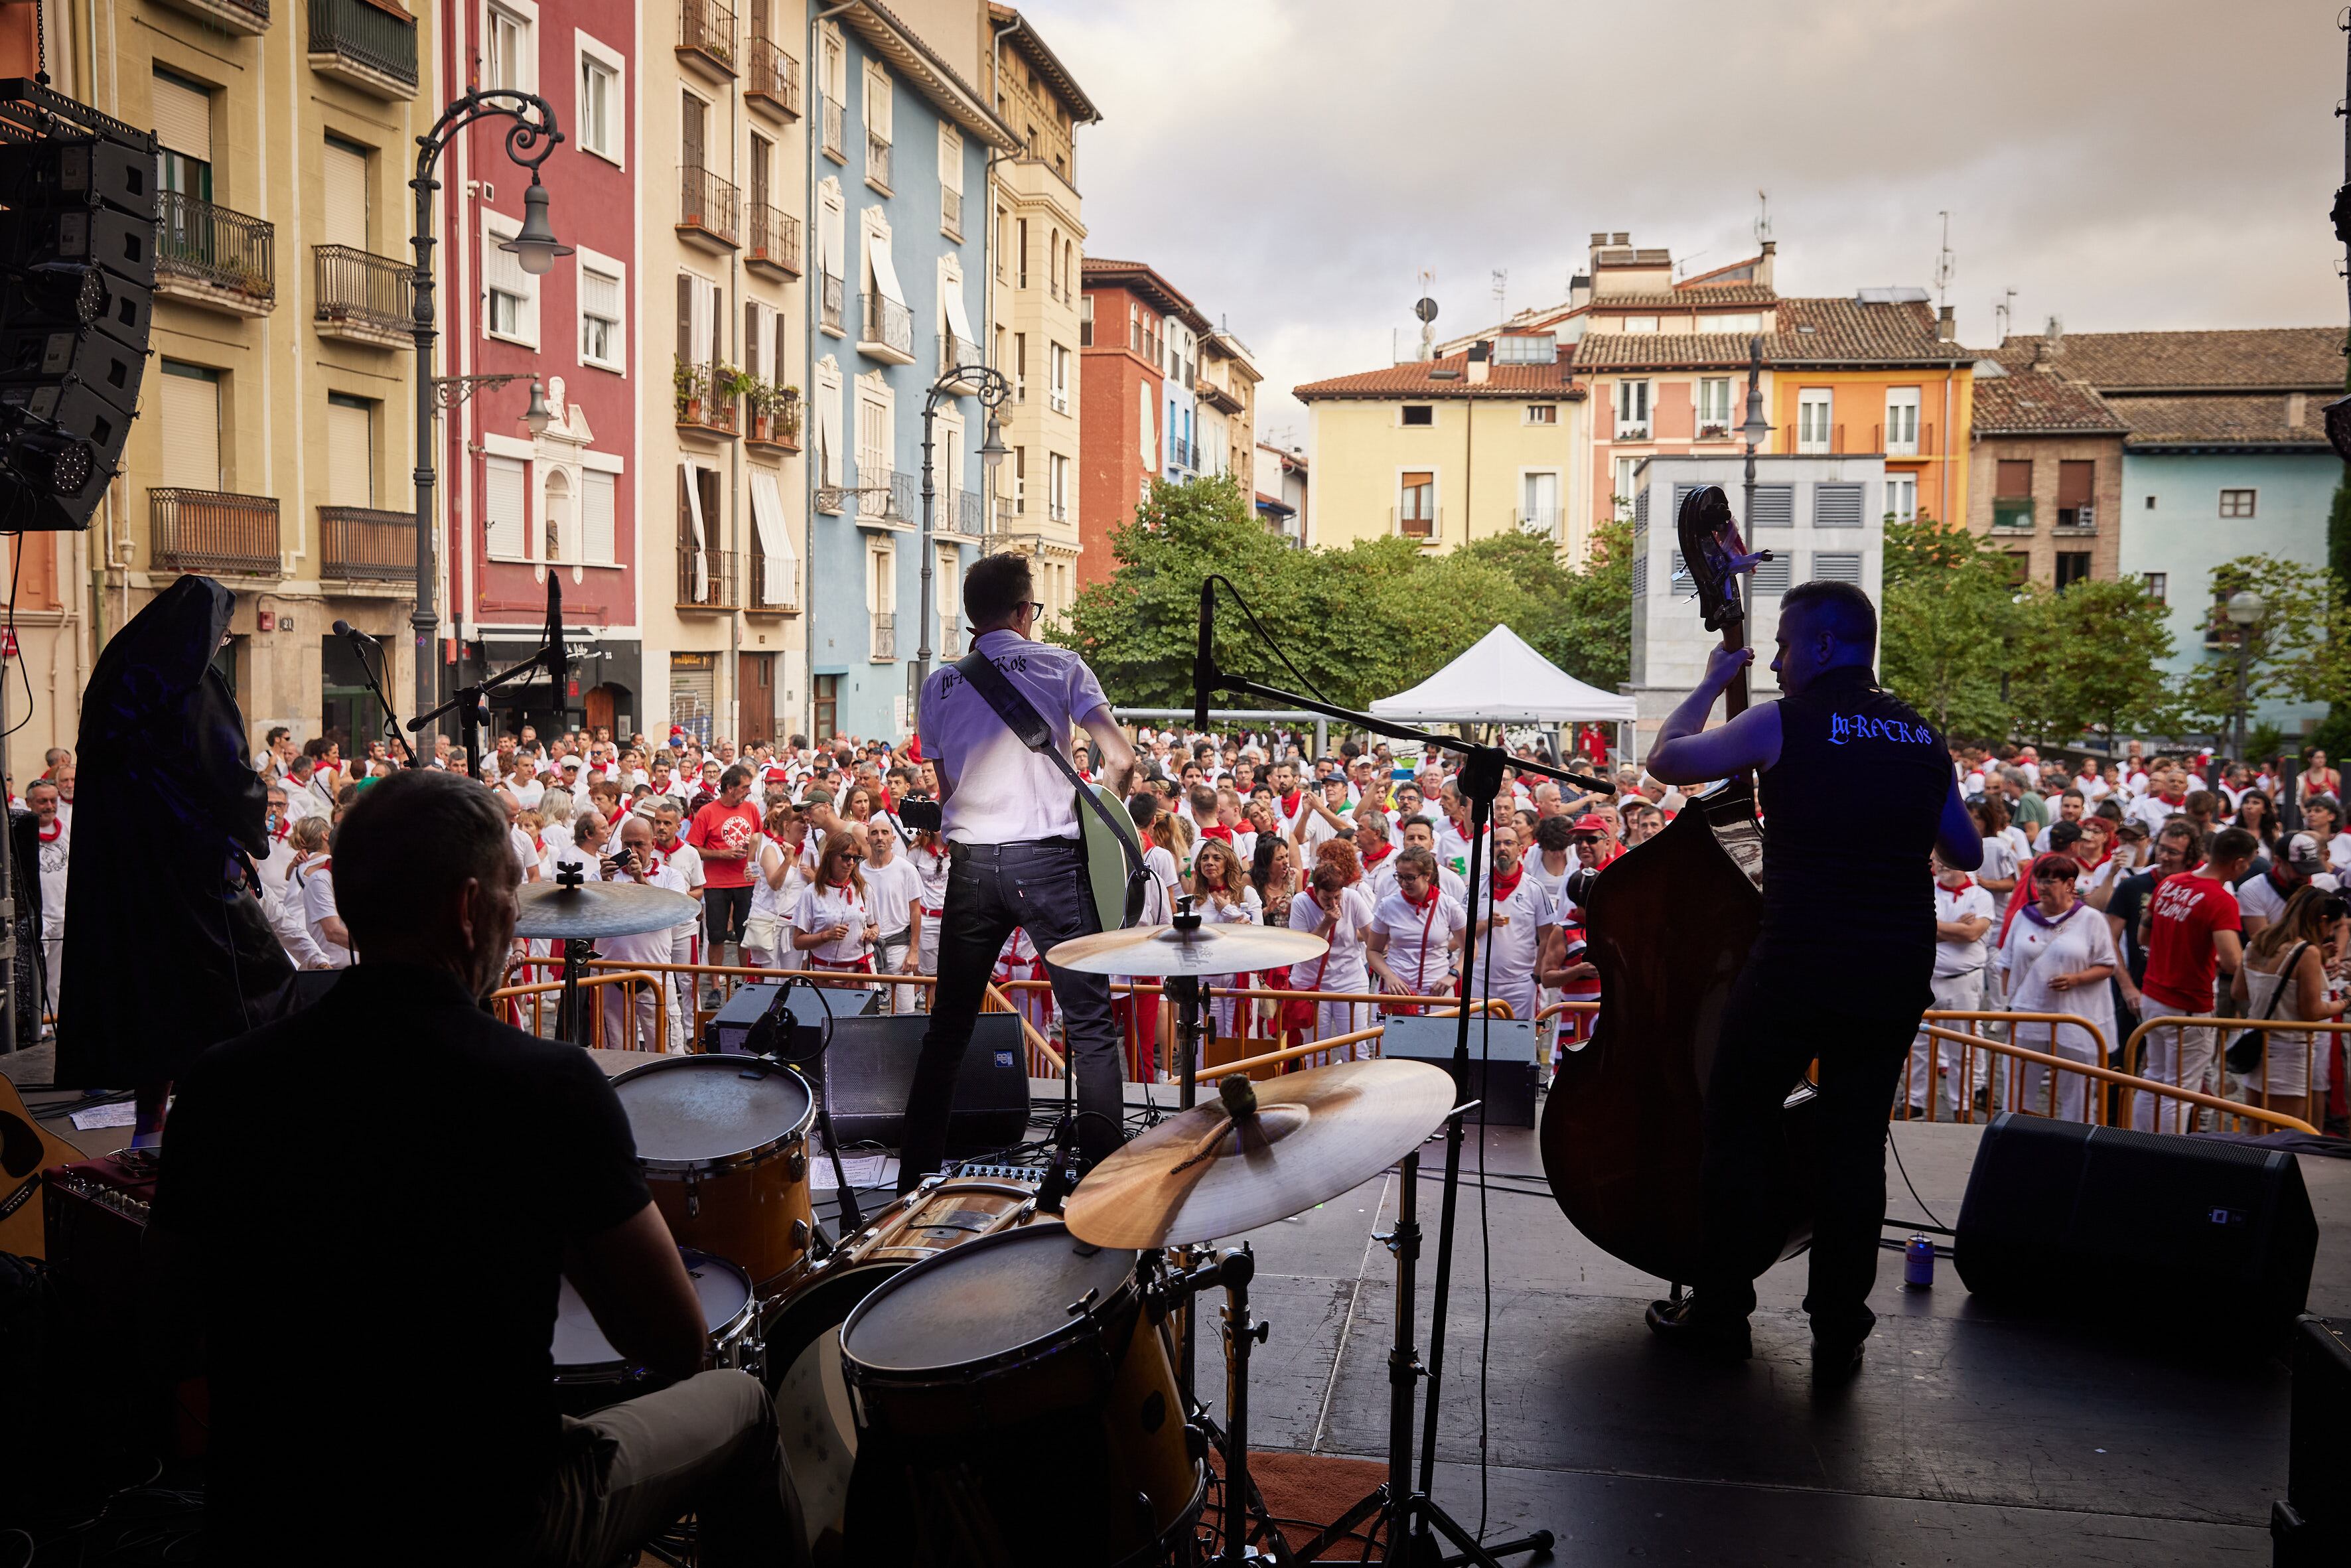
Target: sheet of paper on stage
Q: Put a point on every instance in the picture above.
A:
(122, 1113)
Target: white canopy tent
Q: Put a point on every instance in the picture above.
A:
(1500, 680)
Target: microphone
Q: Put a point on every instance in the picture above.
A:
(558, 658)
(1204, 662)
(345, 629)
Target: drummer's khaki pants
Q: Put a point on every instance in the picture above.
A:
(707, 1445)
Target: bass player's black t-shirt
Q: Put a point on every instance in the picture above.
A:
(1850, 811)
(379, 1190)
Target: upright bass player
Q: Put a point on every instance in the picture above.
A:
(1855, 789)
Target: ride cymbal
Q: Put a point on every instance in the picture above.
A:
(1233, 949)
(595, 909)
(1313, 1137)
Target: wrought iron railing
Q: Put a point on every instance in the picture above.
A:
(362, 288)
(877, 159)
(707, 25)
(954, 352)
(951, 209)
(707, 202)
(950, 637)
(906, 495)
(212, 244)
(366, 35)
(775, 238)
(885, 634)
(706, 579)
(971, 513)
(756, 596)
(833, 126)
(361, 543)
(213, 531)
(888, 323)
(831, 309)
(775, 76)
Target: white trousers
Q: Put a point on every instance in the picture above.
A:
(1953, 993)
(2180, 1056)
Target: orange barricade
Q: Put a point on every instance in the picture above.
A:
(538, 993)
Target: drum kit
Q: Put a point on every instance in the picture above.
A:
(575, 911)
(968, 1378)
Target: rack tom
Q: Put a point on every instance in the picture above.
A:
(722, 1143)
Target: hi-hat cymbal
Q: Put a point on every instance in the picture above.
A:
(1231, 949)
(1315, 1134)
(596, 909)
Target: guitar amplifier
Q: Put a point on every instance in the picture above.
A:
(1502, 1068)
(866, 1076)
(2310, 1527)
(728, 1027)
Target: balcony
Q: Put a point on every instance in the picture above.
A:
(706, 37)
(1714, 427)
(1184, 455)
(775, 83)
(2012, 515)
(775, 419)
(906, 498)
(705, 580)
(359, 544)
(877, 162)
(885, 330)
(1058, 511)
(950, 637)
(2076, 522)
(365, 46)
(705, 408)
(833, 149)
(361, 297)
(1216, 397)
(1631, 430)
(708, 209)
(775, 248)
(249, 17)
(213, 532)
(211, 256)
(959, 353)
(950, 212)
(829, 311)
(1543, 521)
(971, 514)
(885, 636)
(757, 600)
(1424, 526)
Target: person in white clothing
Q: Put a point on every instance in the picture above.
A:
(2285, 976)
(629, 1021)
(326, 927)
(1964, 911)
(928, 856)
(55, 842)
(1222, 894)
(895, 889)
(1514, 929)
(1416, 930)
(1340, 911)
(2261, 898)
(833, 921)
(667, 815)
(2058, 956)
(1420, 833)
(778, 875)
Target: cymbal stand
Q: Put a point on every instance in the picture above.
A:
(1245, 1518)
(571, 1017)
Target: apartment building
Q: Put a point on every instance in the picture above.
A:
(1281, 477)
(2046, 472)
(1224, 395)
(1038, 242)
(274, 438)
(904, 139)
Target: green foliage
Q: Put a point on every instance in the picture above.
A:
(2090, 659)
(2299, 652)
(1946, 617)
(1359, 624)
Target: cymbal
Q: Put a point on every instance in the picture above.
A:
(1315, 1136)
(1231, 949)
(599, 909)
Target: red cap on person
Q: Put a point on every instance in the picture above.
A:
(1588, 823)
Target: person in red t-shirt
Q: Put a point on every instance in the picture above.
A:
(725, 832)
(2193, 938)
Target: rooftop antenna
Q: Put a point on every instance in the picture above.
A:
(1947, 266)
(1425, 309)
(2002, 308)
(1762, 218)
(1502, 293)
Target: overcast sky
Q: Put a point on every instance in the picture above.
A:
(1293, 164)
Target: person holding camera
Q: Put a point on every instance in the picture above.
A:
(629, 1010)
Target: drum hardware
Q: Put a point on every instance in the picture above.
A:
(578, 911)
(769, 1038)
(716, 1137)
(1246, 1517)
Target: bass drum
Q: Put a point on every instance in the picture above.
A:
(803, 1331)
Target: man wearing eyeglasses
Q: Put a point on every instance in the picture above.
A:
(1015, 858)
(893, 891)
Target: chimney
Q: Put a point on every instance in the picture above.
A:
(1620, 237)
(1946, 329)
(1480, 353)
(2054, 342)
(1579, 290)
(1763, 263)
(1599, 237)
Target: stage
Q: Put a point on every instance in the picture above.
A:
(1968, 1436)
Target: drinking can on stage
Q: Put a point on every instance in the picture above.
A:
(723, 1142)
(590, 1374)
(1015, 1404)
(1918, 1264)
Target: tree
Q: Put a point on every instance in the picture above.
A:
(2090, 657)
(2299, 652)
(1947, 613)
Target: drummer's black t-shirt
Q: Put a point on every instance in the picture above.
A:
(380, 1189)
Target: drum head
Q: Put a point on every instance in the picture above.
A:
(985, 1299)
(686, 1111)
(580, 1346)
(812, 1408)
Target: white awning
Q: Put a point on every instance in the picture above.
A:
(885, 278)
(828, 419)
(694, 515)
(1500, 680)
(958, 322)
(775, 543)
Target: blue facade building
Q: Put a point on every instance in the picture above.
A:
(1179, 454)
(898, 297)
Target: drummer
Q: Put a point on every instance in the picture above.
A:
(472, 1162)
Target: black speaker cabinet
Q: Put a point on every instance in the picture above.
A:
(2073, 1219)
(865, 1076)
(728, 1027)
(2311, 1525)
(1502, 1069)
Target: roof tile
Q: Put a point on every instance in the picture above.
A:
(2225, 420)
(2029, 402)
(1414, 379)
(2287, 358)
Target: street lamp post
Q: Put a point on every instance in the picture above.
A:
(994, 392)
(532, 137)
(2245, 611)
(1755, 428)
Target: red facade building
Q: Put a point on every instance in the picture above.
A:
(1121, 387)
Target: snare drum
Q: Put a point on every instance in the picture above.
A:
(590, 1374)
(977, 1375)
(803, 1329)
(723, 1142)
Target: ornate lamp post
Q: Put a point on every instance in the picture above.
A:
(532, 137)
(1756, 429)
(2245, 611)
(994, 392)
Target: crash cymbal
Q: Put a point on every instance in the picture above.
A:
(1313, 1135)
(596, 909)
(1233, 949)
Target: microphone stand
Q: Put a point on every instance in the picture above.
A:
(474, 700)
(393, 739)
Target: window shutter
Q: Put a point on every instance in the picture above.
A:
(192, 433)
(351, 452)
(345, 171)
(183, 118)
(1640, 576)
(1681, 576)
(599, 502)
(504, 511)
(1836, 567)
(828, 429)
(1775, 507)
(686, 318)
(775, 543)
(1771, 575)
(751, 336)
(2075, 481)
(1836, 506)
(2014, 479)
(950, 157)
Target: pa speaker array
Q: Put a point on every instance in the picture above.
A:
(76, 285)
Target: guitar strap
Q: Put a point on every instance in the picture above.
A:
(1028, 726)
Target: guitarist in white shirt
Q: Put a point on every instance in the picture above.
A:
(1015, 858)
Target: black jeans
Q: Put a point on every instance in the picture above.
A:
(725, 910)
(1771, 1029)
(1039, 887)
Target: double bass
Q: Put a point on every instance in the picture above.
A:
(1668, 925)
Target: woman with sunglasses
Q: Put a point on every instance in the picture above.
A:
(2285, 976)
(2058, 956)
(833, 923)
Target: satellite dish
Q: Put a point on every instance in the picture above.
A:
(1424, 308)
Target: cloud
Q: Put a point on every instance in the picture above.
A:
(1294, 164)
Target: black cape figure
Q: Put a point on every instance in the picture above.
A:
(166, 949)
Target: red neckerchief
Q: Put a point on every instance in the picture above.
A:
(1377, 855)
(1218, 831)
(55, 831)
(1965, 882)
(2172, 799)
(1505, 886)
(1429, 898)
(2093, 865)
(284, 828)
(1290, 802)
(539, 843)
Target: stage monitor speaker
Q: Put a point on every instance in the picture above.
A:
(2311, 1525)
(1502, 1068)
(731, 1025)
(2066, 1216)
(865, 1076)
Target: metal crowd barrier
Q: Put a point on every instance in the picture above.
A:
(2225, 1030)
(537, 993)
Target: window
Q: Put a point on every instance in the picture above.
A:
(2077, 483)
(1416, 506)
(602, 105)
(183, 157)
(1749, 321)
(2013, 480)
(1902, 422)
(2235, 503)
(508, 60)
(505, 509)
(555, 515)
(1020, 367)
(1419, 413)
(2073, 567)
(1086, 322)
(1538, 502)
(872, 455)
(1020, 253)
(1621, 480)
(1526, 349)
(1003, 261)
(351, 451)
(191, 427)
(1815, 406)
(603, 293)
(877, 126)
(2020, 567)
(345, 169)
(598, 503)
(1020, 481)
(1836, 567)
(1714, 405)
(1060, 386)
(1901, 499)
(950, 181)
(1640, 323)
(826, 695)
(1542, 413)
(1775, 507)
(511, 305)
(1632, 411)
(1060, 492)
(2159, 586)
(2150, 502)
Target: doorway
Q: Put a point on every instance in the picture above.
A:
(756, 690)
(348, 708)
